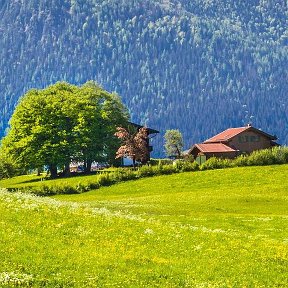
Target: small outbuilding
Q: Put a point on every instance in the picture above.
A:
(233, 142)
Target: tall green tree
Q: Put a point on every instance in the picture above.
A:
(99, 114)
(173, 143)
(62, 123)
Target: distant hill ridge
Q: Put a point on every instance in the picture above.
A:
(198, 66)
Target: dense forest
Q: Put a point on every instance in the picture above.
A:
(198, 66)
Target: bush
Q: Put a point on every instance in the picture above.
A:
(276, 155)
(178, 165)
(280, 154)
(43, 190)
(106, 180)
(124, 174)
(157, 162)
(94, 186)
(146, 171)
(190, 166)
(66, 189)
(261, 157)
(216, 163)
(85, 187)
(158, 168)
(7, 167)
(240, 161)
(185, 166)
(168, 169)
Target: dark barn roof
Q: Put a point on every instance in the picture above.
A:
(150, 130)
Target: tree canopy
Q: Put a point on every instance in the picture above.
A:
(65, 123)
(134, 144)
(173, 143)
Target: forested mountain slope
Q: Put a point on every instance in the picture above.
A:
(199, 66)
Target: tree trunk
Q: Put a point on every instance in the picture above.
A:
(87, 167)
(67, 169)
(39, 170)
(53, 171)
(134, 161)
(178, 152)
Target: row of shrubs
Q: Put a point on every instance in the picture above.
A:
(277, 155)
(109, 178)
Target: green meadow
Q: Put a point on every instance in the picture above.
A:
(216, 228)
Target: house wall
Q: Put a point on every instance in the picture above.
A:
(249, 141)
(227, 155)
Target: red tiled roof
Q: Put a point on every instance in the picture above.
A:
(227, 134)
(214, 148)
(232, 132)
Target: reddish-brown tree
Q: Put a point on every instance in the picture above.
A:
(134, 145)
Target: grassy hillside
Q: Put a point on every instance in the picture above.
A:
(222, 228)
